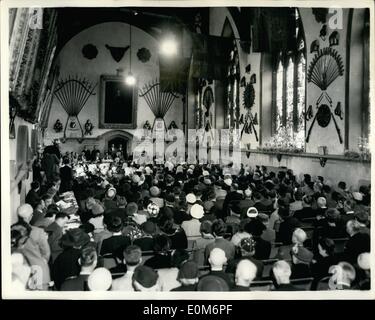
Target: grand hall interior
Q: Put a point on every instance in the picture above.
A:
(169, 149)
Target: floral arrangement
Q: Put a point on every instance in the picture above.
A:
(283, 141)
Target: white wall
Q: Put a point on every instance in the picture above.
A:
(72, 62)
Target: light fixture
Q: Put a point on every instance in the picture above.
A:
(169, 46)
(130, 79)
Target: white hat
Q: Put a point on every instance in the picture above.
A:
(252, 212)
(25, 211)
(357, 196)
(321, 202)
(100, 280)
(364, 261)
(205, 173)
(197, 211)
(192, 167)
(179, 169)
(111, 193)
(217, 256)
(154, 191)
(191, 198)
(228, 181)
(139, 218)
(136, 179)
(148, 170)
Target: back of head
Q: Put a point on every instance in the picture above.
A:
(212, 283)
(245, 272)
(217, 258)
(133, 255)
(161, 243)
(281, 271)
(299, 236)
(99, 280)
(206, 227)
(25, 212)
(115, 224)
(145, 279)
(88, 256)
(218, 228)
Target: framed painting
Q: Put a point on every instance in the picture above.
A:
(117, 103)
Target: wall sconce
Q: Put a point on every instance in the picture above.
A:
(279, 157)
(323, 32)
(322, 161)
(248, 145)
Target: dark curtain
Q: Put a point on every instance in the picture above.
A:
(274, 30)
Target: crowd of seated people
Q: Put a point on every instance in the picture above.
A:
(185, 227)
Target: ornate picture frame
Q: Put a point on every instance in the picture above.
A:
(107, 82)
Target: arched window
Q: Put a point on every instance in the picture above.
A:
(289, 82)
(279, 95)
(301, 92)
(233, 107)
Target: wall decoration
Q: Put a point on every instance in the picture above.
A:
(324, 115)
(73, 93)
(253, 79)
(89, 51)
(338, 111)
(208, 99)
(117, 52)
(249, 121)
(88, 127)
(243, 82)
(334, 39)
(172, 125)
(325, 67)
(248, 68)
(249, 96)
(320, 14)
(147, 125)
(144, 55)
(309, 114)
(159, 102)
(323, 32)
(314, 46)
(58, 126)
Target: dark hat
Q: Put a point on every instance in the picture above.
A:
(170, 198)
(75, 238)
(149, 227)
(248, 244)
(145, 276)
(189, 270)
(212, 283)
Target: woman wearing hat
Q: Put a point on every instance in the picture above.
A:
(192, 227)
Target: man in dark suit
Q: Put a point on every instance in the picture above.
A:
(358, 242)
(306, 211)
(88, 261)
(66, 175)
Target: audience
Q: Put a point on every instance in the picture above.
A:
(191, 217)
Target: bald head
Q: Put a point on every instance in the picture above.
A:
(281, 271)
(245, 273)
(217, 259)
(25, 212)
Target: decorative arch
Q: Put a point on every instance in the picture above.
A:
(110, 135)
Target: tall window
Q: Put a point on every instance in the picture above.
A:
(233, 107)
(279, 96)
(290, 91)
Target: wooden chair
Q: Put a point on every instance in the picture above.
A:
(340, 244)
(268, 264)
(261, 285)
(303, 283)
(323, 284)
(109, 261)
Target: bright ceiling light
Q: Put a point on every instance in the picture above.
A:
(130, 79)
(169, 47)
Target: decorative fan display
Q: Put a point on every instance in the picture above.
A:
(73, 93)
(325, 68)
(159, 102)
(249, 96)
(89, 51)
(144, 55)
